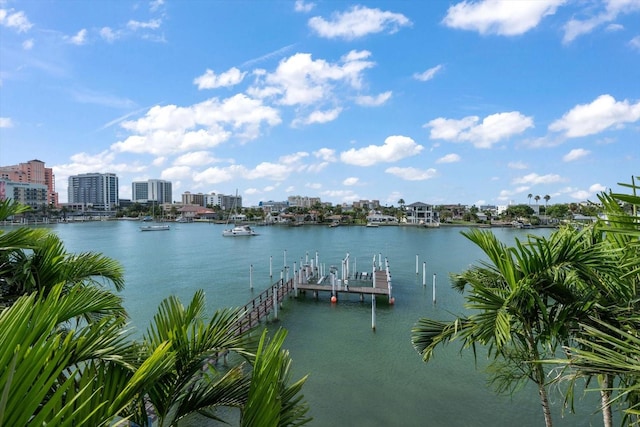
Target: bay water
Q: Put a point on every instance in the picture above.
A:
(357, 376)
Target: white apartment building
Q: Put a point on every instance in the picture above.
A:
(153, 190)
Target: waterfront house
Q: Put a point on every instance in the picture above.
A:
(419, 213)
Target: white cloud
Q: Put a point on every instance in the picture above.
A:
(86, 96)
(635, 43)
(580, 195)
(28, 44)
(194, 158)
(492, 129)
(507, 18)
(583, 195)
(300, 80)
(507, 194)
(613, 8)
(6, 122)
(449, 158)
(79, 39)
(412, 174)
(517, 165)
(268, 170)
(16, 20)
(108, 34)
(396, 147)
(318, 117)
(350, 181)
(603, 113)
(154, 5)
(176, 173)
(302, 6)
(373, 101)
(326, 154)
(427, 75)
(153, 24)
(293, 159)
(216, 175)
(534, 179)
(318, 167)
(575, 154)
(345, 196)
(209, 80)
(357, 22)
(159, 161)
(172, 129)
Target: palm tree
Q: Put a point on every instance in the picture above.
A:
(522, 301)
(85, 375)
(529, 196)
(546, 202)
(34, 260)
(271, 375)
(193, 384)
(88, 370)
(608, 346)
(537, 199)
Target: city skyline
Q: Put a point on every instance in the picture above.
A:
(474, 102)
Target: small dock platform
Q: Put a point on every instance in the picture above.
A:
(310, 277)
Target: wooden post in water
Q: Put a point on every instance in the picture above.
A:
(251, 277)
(285, 258)
(295, 281)
(373, 311)
(275, 302)
(416, 264)
(434, 288)
(424, 274)
(271, 267)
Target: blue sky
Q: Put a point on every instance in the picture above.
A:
(473, 102)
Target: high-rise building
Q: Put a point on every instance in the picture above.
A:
(94, 190)
(225, 202)
(33, 172)
(153, 190)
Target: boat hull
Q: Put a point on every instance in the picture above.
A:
(154, 228)
(239, 231)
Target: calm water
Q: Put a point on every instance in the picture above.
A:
(358, 377)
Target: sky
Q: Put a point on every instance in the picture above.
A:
(473, 102)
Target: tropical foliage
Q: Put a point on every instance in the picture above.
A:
(574, 291)
(68, 359)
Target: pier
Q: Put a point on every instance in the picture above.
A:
(311, 277)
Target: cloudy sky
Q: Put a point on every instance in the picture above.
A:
(473, 102)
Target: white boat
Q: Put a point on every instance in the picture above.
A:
(154, 228)
(372, 224)
(238, 231)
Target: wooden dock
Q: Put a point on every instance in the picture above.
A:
(309, 278)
